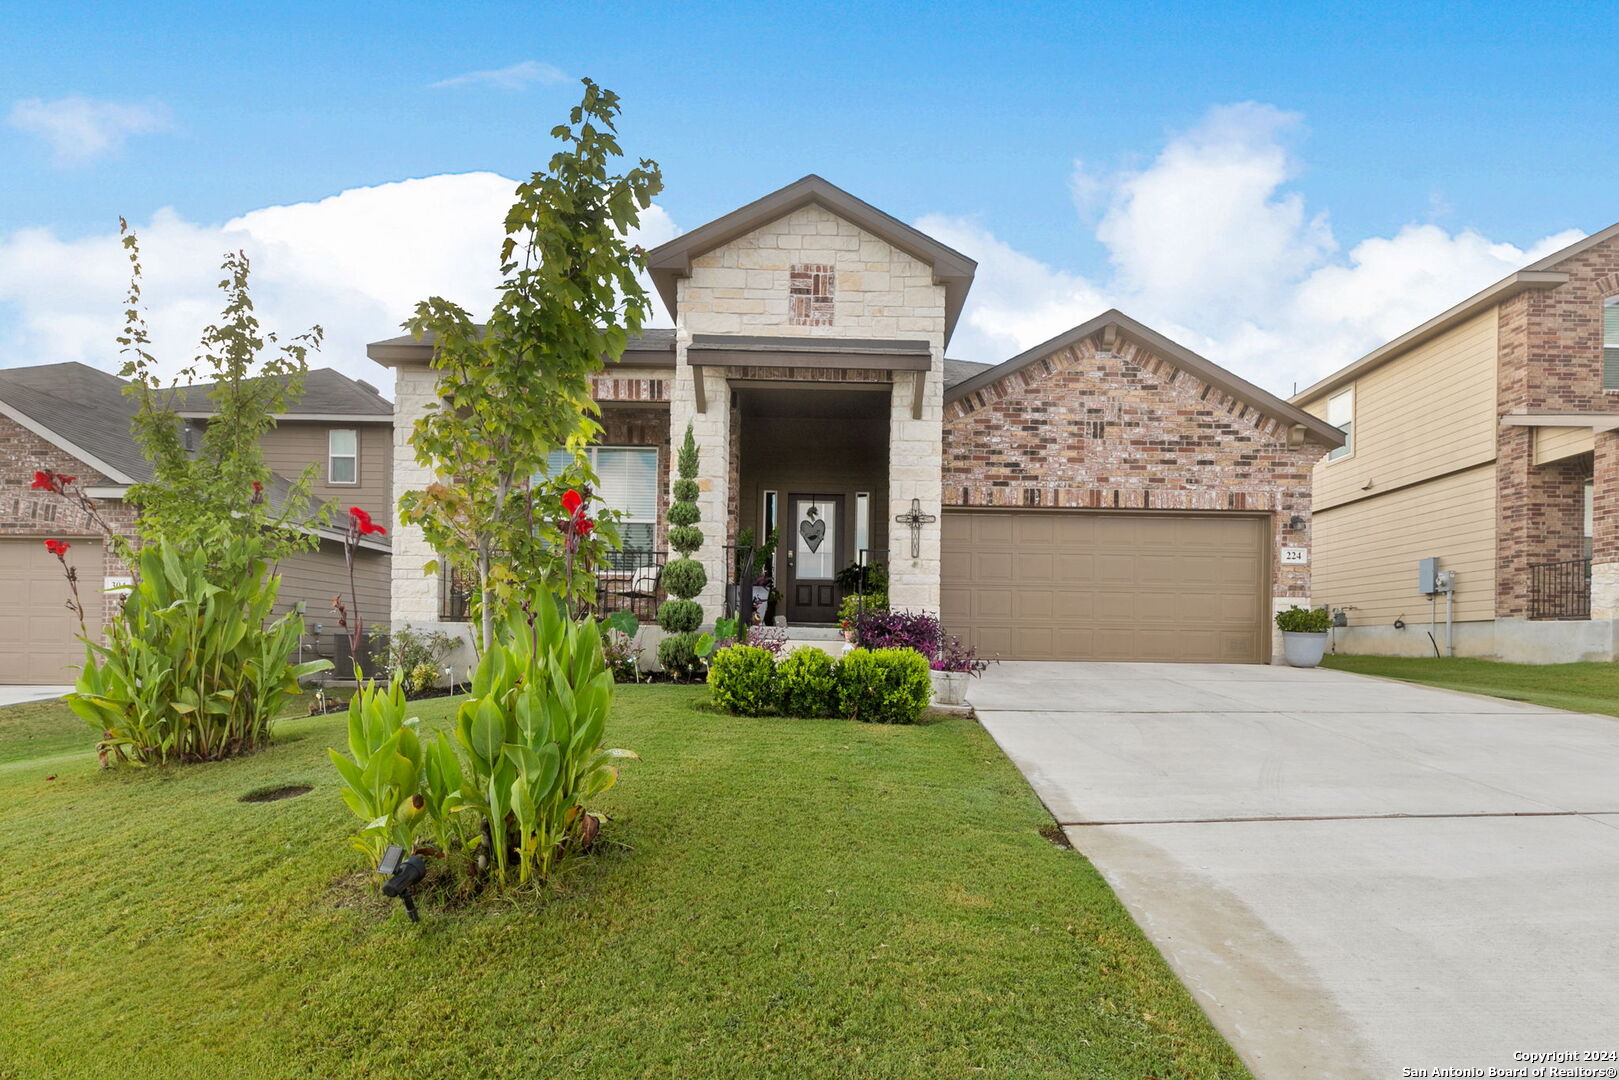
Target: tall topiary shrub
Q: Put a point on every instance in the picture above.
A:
(684, 577)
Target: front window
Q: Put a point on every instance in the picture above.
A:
(628, 483)
(1341, 415)
(343, 456)
(1610, 343)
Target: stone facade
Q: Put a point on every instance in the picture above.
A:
(878, 291)
(1550, 360)
(1124, 429)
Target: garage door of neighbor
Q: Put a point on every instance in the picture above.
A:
(1107, 585)
(38, 634)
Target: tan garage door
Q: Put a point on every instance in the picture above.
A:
(38, 634)
(1100, 585)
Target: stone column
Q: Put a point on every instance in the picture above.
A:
(416, 596)
(915, 451)
(1605, 527)
(712, 430)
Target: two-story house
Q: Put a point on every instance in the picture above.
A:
(1488, 439)
(1107, 494)
(75, 419)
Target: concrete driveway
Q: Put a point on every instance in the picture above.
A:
(18, 695)
(1354, 877)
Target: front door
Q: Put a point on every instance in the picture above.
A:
(814, 557)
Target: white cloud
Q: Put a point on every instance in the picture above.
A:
(80, 129)
(355, 263)
(516, 77)
(1209, 246)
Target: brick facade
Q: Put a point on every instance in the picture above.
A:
(44, 516)
(1090, 429)
(1550, 360)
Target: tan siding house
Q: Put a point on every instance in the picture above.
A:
(1474, 440)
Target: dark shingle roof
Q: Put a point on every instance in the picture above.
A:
(959, 371)
(326, 393)
(83, 406)
(87, 408)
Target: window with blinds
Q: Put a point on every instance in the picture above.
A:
(1610, 343)
(628, 478)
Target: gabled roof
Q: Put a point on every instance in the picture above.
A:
(327, 394)
(1540, 275)
(84, 411)
(1115, 322)
(671, 261)
(80, 409)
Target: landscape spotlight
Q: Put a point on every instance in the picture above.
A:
(402, 876)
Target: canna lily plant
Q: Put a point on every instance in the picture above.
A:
(191, 670)
(530, 755)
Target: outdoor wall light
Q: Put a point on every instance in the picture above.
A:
(1297, 522)
(402, 877)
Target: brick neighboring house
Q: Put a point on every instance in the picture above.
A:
(74, 419)
(1106, 495)
(1488, 438)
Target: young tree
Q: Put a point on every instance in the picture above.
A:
(203, 497)
(517, 388)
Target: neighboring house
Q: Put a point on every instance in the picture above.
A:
(75, 419)
(1487, 438)
(1105, 495)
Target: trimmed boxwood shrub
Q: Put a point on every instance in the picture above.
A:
(743, 680)
(677, 653)
(884, 686)
(685, 578)
(807, 684)
(680, 616)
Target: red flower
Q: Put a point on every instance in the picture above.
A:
(582, 525)
(363, 522)
(57, 547)
(571, 502)
(257, 487)
(42, 482)
(64, 481)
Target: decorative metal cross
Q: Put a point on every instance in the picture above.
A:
(916, 519)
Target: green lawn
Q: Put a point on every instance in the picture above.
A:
(1591, 688)
(790, 898)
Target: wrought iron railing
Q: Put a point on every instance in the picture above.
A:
(457, 588)
(1560, 590)
(746, 568)
(631, 580)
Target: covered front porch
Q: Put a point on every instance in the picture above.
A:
(820, 443)
(809, 477)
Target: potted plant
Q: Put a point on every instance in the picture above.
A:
(952, 666)
(1304, 634)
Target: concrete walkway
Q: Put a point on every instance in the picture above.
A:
(1353, 876)
(17, 695)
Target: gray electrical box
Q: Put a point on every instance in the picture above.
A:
(1427, 576)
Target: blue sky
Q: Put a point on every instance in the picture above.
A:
(1060, 133)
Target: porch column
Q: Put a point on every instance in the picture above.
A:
(915, 458)
(712, 430)
(416, 597)
(1605, 526)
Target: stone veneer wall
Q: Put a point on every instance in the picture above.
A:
(417, 597)
(881, 292)
(1090, 429)
(44, 516)
(1550, 359)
